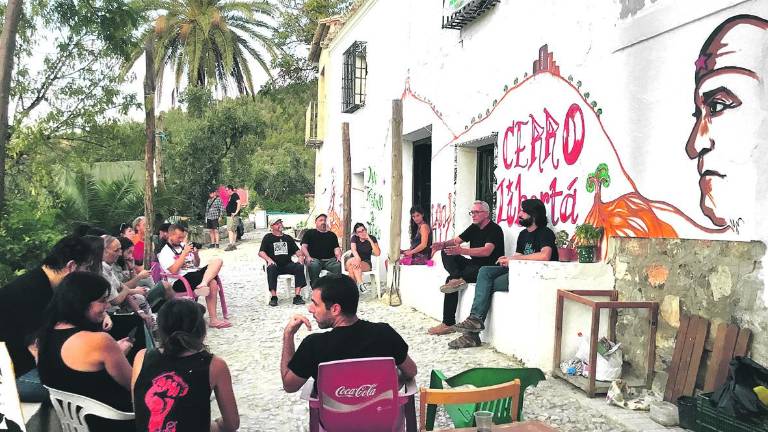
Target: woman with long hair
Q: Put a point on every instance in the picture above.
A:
(421, 237)
(140, 228)
(363, 245)
(75, 356)
(172, 385)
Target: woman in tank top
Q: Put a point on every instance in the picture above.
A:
(172, 385)
(363, 246)
(76, 356)
(421, 237)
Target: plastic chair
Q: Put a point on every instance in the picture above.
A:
(157, 272)
(463, 415)
(373, 274)
(500, 399)
(72, 409)
(356, 392)
(288, 281)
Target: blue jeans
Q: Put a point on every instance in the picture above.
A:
(490, 279)
(30, 388)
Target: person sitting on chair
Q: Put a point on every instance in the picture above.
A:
(75, 356)
(182, 259)
(363, 246)
(334, 305)
(172, 385)
(276, 250)
(534, 243)
(486, 245)
(321, 250)
(421, 238)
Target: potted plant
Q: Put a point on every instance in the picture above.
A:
(586, 238)
(565, 250)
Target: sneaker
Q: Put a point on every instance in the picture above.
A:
(230, 247)
(297, 300)
(441, 329)
(467, 340)
(273, 301)
(453, 286)
(211, 246)
(362, 288)
(216, 245)
(471, 325)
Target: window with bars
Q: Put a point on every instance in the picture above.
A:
(353, 78)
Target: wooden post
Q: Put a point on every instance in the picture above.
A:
(159, 152)
(13, 10)
(149, 149)
(346, 205)
(396, 203)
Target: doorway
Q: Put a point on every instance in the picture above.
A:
(422, 175)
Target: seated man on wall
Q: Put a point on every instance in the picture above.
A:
(321, 250)
(182, 259)
(22, 302)
(486, 245)
(535, 243)
(334, 305)
(276, 250)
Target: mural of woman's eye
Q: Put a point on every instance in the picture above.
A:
(719, 100)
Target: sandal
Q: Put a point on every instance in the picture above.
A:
(467, 340)
(221, 325)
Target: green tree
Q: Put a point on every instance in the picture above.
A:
(210, 41)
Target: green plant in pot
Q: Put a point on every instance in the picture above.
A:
(586, 238)
(565, 250)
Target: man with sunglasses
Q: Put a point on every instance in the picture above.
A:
(486, 245)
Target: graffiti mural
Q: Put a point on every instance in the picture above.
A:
(442, 220)
(553, 145)
(334, 220)
(374, 200)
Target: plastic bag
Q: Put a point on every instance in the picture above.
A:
(609, 359)
(736, 396)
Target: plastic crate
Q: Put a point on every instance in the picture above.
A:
(709, 419)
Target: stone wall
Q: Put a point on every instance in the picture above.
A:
(718, 280)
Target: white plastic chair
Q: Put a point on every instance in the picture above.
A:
(72, 409)
(373, 274)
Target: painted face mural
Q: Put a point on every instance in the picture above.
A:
(730, 100)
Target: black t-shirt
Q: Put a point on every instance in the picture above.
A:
(320, 245)
(532, 242)
(477, 238)
(364, 247)
(232, 203)
(280, 249)
(22, 303)
(360, 340)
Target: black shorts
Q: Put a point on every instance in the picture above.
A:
(212, 223)
(194, 278)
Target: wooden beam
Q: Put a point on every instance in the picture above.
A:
(346, 205)
(396, 182)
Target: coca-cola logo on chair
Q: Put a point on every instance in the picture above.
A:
(364, 390)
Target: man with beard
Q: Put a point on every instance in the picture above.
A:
(535, 243)
(334, 305)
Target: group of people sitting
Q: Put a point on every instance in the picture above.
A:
(79, 321)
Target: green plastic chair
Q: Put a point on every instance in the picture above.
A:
(463, 414)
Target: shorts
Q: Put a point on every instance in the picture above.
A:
(194, 278)
(232, 223)
(212, 223)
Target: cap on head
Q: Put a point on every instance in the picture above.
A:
(272, 222)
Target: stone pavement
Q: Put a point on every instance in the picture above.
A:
(252, 349)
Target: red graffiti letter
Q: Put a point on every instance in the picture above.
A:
(551, 125)
(572, 146)
(536, 132)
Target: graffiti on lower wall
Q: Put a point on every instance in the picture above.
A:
(374, 200)
(334, 220)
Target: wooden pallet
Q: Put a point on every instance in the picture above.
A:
(686, 358)
(730, 341)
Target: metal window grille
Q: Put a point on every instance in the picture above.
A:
(353, 78)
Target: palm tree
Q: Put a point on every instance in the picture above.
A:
(210, 41)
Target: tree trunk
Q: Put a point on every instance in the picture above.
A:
(347, 201)
(159, 139)
(396, 182)
(7, 47)
(149, 150)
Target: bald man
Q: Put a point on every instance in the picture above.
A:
(731, 102)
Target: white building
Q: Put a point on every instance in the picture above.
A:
(509, 99)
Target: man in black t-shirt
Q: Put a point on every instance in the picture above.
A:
(277, 249)
(486, 245)
(22, 303)
(334, 305)
(233, 211)
(535, 243)
(321, 250)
